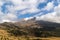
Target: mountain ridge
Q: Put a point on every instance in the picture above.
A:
(32, 28)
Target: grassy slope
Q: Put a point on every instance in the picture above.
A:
(4, 35)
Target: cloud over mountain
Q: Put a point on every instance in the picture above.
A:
(11, 10)
(53, 16)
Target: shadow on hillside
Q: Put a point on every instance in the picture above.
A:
(48, 29)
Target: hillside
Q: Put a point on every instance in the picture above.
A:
(30, 28)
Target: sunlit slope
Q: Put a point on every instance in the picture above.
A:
(30, 29)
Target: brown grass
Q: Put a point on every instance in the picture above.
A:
(4, 35)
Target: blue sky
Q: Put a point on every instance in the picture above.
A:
(13, 10)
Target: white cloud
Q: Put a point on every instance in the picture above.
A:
(30, 5)
(28, 18)
(52, 17)
(57, 9)
(49, 6)
(1, 2)
(42, 1)
(7, 21)
(11, 15)
(8, 17)
(58, 1)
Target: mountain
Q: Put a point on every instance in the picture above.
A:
(31, 27)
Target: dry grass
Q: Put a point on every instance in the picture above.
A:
(51, 38)
(4, 35)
